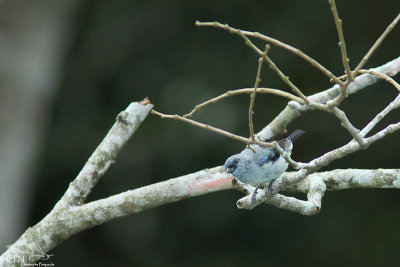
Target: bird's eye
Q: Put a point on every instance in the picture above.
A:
(232, 167)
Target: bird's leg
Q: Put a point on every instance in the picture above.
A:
(270, 185)
(253, 198)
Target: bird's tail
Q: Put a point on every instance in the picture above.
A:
(296, 134)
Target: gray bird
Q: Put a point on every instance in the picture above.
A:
(259, 166)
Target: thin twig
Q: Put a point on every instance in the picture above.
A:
(253, 96)
(349, 126)
(211, 128)
(324, 160)
(286, 156)
(343, 120)
(276, 42)
(342, 44)
(391, 128)
(293, 110)
(239, 138)
(285, 78)
(271, 64)
(383, 76)
(245, 91)
(393, 105)
(376, 45)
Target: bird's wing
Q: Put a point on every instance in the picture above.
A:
(270, 156)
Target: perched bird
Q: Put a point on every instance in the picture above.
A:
(258, 165)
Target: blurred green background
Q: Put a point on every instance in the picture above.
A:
(122, 51)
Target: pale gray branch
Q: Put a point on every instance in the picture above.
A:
(348, 126)
(315, 185)
(126, 124)
(312, 206)
(393, 105)
(59, 224)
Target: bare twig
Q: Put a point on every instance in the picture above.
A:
(242, 139)
(260, 36)
(294, 110)
(393, 105)
(272, 65)
(384, 77)
(348, 126)
(327, 158)
(342, 44)
(285, 78)
(245, 91)
(211, 128)
(286, 156)
(376, 45)
(391, 128)
(253, 96)
(343, 120)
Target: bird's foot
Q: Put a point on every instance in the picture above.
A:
(253, 197)
(270, 189)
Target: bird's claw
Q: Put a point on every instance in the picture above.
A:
(270, 189)
(253, 197)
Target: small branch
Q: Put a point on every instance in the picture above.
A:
(310, 207)
(294, 110)
(348, 126)
(272, 65)
(253, 96)
(286, 156)
(383, 76)
(376, 45)
(245, 91)
(274, 42)
(308, 168)
(393, 105)
(341, 179)
(342, 44)
(285, 79)
(391, 128)
(355, 133)
(242, 139)
(211, 128)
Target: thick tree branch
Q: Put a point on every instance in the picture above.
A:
(59, 224)
(126, 124)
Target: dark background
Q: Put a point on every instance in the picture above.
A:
(123, 51)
